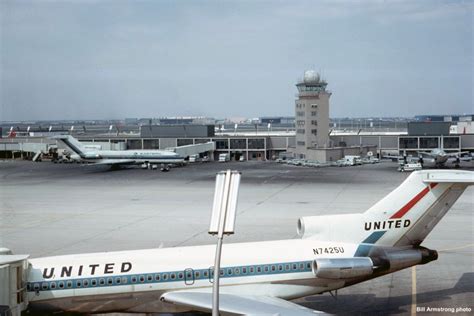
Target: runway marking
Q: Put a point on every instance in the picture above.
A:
(413, 290)
(456, 248)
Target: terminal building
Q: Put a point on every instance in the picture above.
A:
(309, 135)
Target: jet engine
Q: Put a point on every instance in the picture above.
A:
(380, 260)
(342, 268)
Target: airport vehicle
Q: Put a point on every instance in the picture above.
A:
(118, 157)
(224, 157)
(194, 158)
(410, 166)
(334, 251)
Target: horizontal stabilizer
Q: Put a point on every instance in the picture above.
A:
(449, 176)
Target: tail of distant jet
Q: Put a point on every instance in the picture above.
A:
(72, 143)
(404, 217)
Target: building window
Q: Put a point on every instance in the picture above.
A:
(300, 123)
(314, 131)
(257, 143)
(314, 113)
(300, 143)
(185, 141)
(300, 131)
(408, 142)
(239, 143)
(429, 142)
(451, 142)
(314, 106)
(314, 122)
(300, 113)
(222, 144)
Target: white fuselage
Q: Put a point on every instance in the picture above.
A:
(138, 156)
(133, 281)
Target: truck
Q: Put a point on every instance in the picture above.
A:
(224, 157)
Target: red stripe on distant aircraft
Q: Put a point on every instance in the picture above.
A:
(413, 201)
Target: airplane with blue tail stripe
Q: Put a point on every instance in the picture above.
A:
(333, 252)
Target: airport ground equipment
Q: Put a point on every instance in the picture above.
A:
(334, 251)
(13, 280)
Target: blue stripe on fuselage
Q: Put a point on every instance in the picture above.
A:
(367, 244)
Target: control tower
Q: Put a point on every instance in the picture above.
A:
(311, 114)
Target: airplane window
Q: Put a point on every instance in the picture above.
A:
(301, 266)
(44, 286)
(86, 283)
(93, 282)
(118, 280)
(251, 269)
(197, 274)
(142, 278)
(165, 276)
(267, 268)
(124, 280)
(287, 267)
(273, 268)
(237, 271)
(222, 272)
(52, 285)
(206, 274)
(229, 271)
(295, 266)
(149, 278)
(102, 281)
(189, 275)
(110, 281)
(244, 270)
(36, 286)
(61, 285)
(172, 276)
(180, 276)
(259, 269)
(69, 284)
(308, 266)
(28, 287)
(78, 284)
(134, 279)
(157, 277)
(280, 267)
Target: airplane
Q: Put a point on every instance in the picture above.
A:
(436, 156)
(334, 251)
(118, 157)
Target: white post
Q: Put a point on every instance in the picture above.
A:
(223, 221)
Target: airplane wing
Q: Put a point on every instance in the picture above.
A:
(115, 162)
(238, 304)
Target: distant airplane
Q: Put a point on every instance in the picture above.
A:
(437, 156)
(118, 157)
(335, 251)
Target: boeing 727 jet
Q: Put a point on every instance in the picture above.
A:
(118, 157)
(334, 251)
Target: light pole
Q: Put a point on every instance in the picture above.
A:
(223, 221)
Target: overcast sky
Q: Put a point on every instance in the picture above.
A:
(115, 59)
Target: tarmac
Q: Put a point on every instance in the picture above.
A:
(53, 209)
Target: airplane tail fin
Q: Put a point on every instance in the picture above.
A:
(404, 217)
(72, 143)
(409, 213)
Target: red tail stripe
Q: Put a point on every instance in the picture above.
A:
(413, 201)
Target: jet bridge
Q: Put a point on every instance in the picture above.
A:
(13, 279)
(188, 150)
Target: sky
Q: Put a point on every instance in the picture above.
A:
(88, 59)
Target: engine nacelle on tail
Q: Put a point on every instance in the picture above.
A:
(329, 227)
(343, 268)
